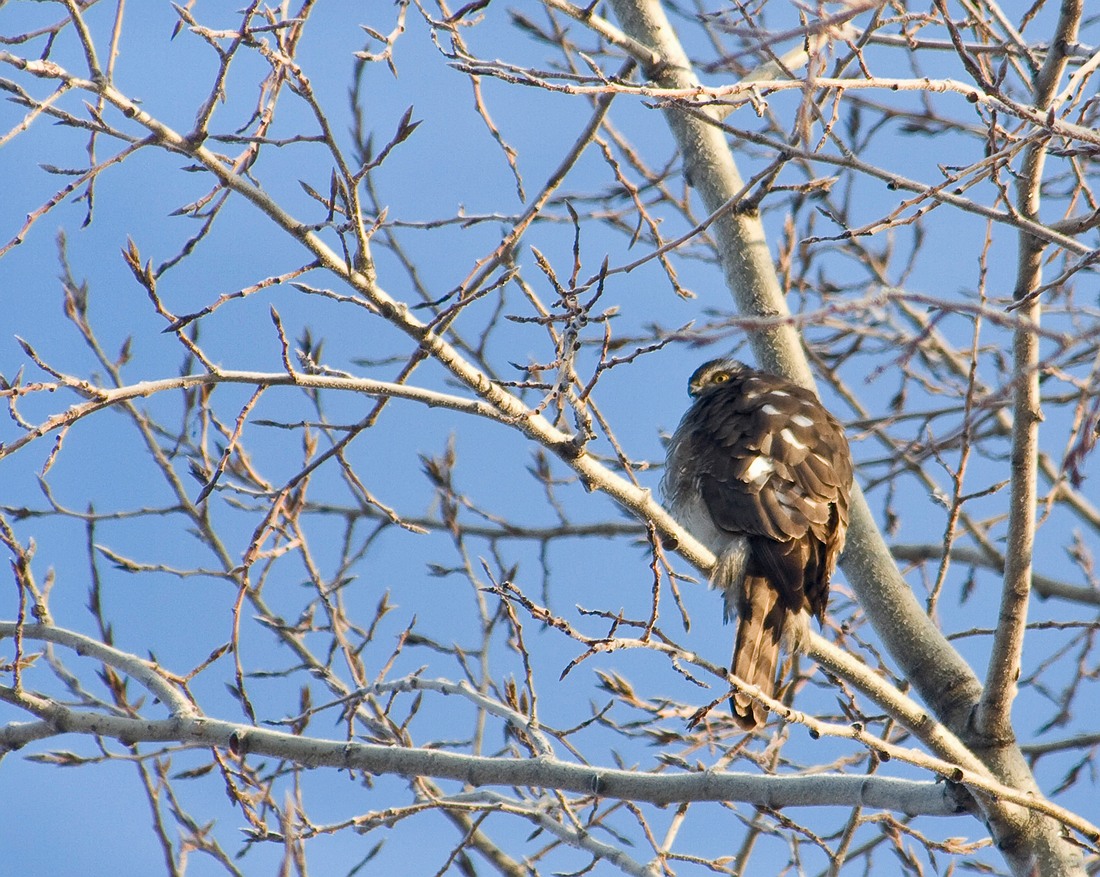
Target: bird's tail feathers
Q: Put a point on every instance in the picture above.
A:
(760, 627)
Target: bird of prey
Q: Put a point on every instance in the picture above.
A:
(760, 473)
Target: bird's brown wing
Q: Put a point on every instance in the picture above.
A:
(774, 466)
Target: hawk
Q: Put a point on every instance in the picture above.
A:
(760, 473)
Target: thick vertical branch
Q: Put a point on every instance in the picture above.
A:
(995, 737)
(994, 716)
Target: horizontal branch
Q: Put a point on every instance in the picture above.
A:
(1044, 586)
(776, 792)
(751, 92)
(187, 726)
(106, 397)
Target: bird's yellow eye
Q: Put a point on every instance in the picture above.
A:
(719, 377)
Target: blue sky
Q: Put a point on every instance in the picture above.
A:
(450, 167)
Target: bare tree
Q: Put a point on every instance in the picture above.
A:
(339, 518)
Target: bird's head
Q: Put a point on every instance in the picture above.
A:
(713, 374)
